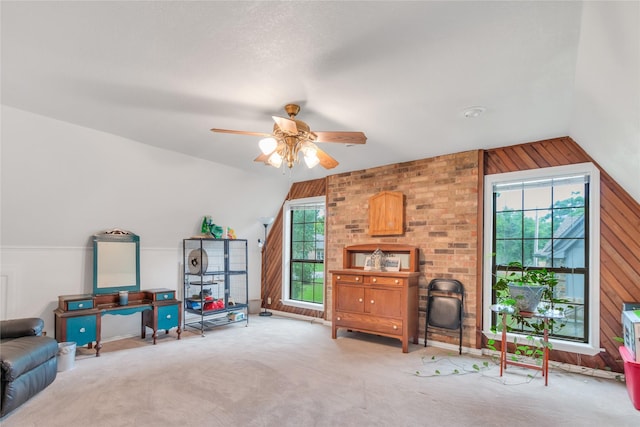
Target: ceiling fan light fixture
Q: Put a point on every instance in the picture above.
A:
(275, 159)
(267, 145)
(309, 149)
(311, 160)
(292, 137)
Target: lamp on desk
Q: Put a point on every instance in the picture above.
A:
(265, 221)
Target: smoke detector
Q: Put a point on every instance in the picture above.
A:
(473, 112)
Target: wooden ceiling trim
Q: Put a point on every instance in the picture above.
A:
(526, 160)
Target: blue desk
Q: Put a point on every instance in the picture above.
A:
(78, 317)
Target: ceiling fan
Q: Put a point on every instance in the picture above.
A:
(291, 137)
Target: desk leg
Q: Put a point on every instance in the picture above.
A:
(180, 317)
(545, 358)
(503, 344)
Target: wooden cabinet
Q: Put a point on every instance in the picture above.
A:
(377, 302)
(386, 213)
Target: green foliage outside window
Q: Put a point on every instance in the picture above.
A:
(307, 255)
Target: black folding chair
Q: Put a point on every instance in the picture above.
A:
(445, 306)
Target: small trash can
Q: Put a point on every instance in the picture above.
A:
(66, 356)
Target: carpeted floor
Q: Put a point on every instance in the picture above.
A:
(286, 372)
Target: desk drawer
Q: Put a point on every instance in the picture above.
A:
(164, 295)
(82, 329)
(79, 304)
(168, 317)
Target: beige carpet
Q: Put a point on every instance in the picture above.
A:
(285, 372)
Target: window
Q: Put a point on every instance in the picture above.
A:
(303, 269)
(548, 218)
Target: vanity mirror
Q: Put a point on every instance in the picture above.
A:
(116, 262)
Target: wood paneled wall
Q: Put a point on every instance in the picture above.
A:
(272, 269)
(620, 233)
(619, 240)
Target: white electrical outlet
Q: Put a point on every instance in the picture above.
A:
(268, 300)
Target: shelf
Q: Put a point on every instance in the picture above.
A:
(203, 284)
(212, 323)
(205, 273)
(232, 308)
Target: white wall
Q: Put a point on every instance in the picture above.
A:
(61, 183)
(606, 104)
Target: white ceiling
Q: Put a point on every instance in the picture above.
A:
(164, 73)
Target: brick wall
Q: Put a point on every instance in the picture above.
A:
(441, 218)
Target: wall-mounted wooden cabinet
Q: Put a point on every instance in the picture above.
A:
(386, 213)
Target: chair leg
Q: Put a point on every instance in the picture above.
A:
(460, 339)
(426, 331)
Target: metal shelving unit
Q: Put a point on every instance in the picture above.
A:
(216, 284)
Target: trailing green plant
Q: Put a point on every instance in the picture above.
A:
(456, 367)
(530, 323)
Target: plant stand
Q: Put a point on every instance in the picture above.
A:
(504, 361)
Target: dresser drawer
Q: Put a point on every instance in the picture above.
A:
(368, 323)
(349, 278)
(79, 304)
(383, 280)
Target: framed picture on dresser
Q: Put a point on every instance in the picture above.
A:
(392, 264)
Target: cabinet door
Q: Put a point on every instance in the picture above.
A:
(383, 302)
(167, 317)
(349, 298)
(82, 329)
(386, 214)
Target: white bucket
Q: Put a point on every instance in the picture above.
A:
(66, 356)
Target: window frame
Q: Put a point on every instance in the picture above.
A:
(286, 251)
(592, 346)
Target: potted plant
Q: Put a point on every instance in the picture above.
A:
(529, 291)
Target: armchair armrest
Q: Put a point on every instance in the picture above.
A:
(16, 328)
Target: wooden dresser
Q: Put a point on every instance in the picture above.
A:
(377, 302)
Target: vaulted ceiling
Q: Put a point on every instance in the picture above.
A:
(164, 73)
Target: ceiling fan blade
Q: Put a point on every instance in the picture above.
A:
(287, 126)
(262, 158)
(240, 132)
(342, 137)
(326, 161)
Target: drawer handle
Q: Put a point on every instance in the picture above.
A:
(359, 299)
(168, 316)
(375, 280)
(339, 277)
(339, 318)
(373, 302)
(357, 279)
(397, 281)
(83, 330)
(166, 296)
(81, 305)
(395, 326)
